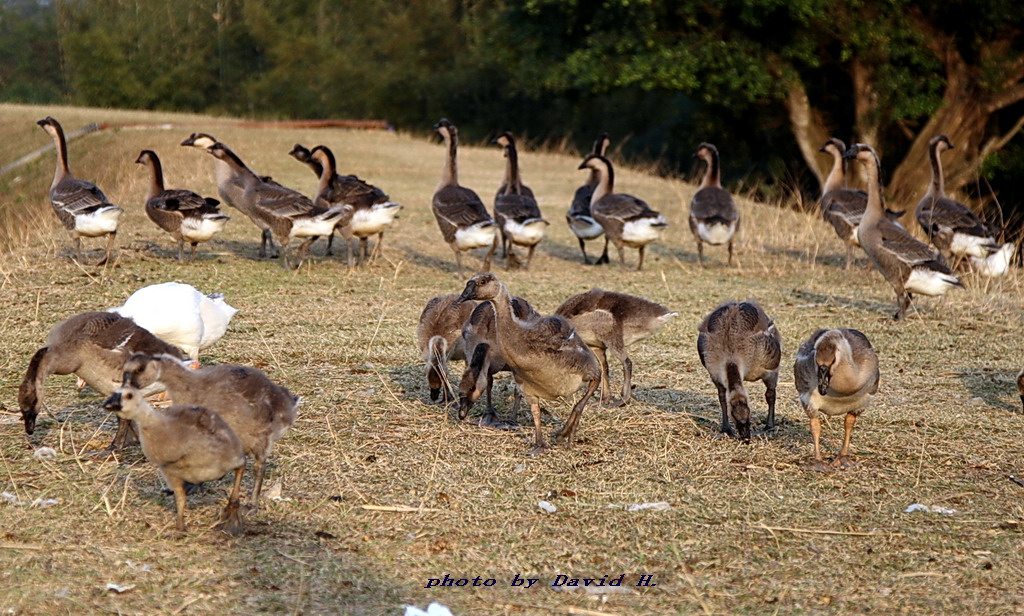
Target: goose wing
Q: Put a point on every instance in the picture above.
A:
(516, 207)
(459, 206)
(946, 213)
(805, 369)
(283, 202)
(184, 201)
(78, 196)
(354, 191)
(903, 246)
(623, 207)
(845, 203)
(713, 202)
(581, 201)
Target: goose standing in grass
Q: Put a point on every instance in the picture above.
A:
(836, 373)
(627, 221)
(610, 321)
(714, 218)
(94, 346)
(186, 443)
(515, 209)
(184, 214)
(80, 206)
(548, 360)
(738, 342)
(579, 217)
(906, 264)
(439, 335)
(464, 221)
(256, 409)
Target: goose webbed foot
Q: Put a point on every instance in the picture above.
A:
(190, 489)
(231, 520)
(539, 449)
(817, 466)
(612, 403)
(843, 462)
(490, 420)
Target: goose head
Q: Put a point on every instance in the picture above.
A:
(861, 152)
(446, 129)
(601, 144)
(323, 155)
(50, 125)
(199, 140)
(706, 152)
(146, 157)
(140, 371)
(940, 143)
(834, 146)
(595, 162)
(828, 352)
(481, 287)
(300, 153)
(125, 402)
(505, 140)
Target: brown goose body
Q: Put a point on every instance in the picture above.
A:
(579, 217)
(714, 218)
(516, 212)
(439, 336)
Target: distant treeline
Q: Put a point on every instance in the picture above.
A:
(766, 81)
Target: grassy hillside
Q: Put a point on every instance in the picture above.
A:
(748, 529)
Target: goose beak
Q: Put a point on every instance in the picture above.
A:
(29, 417)
(113, 403)
(583, 165)
(824, 377)
(822, 148)
(850, 153)
(469, 292)
(44, 121)
(190, 141)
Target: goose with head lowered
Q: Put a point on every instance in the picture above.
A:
(80, 206)
(714, 218)
(439, 336)
(580, 220)
(515, 209)
(905, 263)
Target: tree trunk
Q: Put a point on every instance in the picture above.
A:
(808, 129)
(867, 117)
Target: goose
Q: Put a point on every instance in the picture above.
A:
(610, 321)
(996, 264)
(232, 181)
(461, 215)
(950, 225)
(182, 213)
(374, 212)
(185, 443)
(1020, 386)
(180, 314)
(94, 346)
(439, 335)
(836, 373)
(81, 206)
(714, 218)
(287, 213)
(256, 409)
(907, 264)
(515, 210)
(548, 360)
(627, 221)
(738, 342)
(579, 217)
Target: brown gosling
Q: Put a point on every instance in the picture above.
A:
(738, 342)
(714, 218)
(258, 410)
(185, 443)
(439, 335)
(610, 321)
(579, 217)
(519, 219)
(548, 360)
(836, 372)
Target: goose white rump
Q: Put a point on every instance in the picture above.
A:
(585, 227)
(476, 236)
(318, 225)
(366, 222)
(97, 223)
(996, 264)
(643, 231)
(203, 229)
(527, 233)
(717, 233)
(964, 244)
(930, 282)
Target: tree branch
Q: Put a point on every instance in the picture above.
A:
(997, 143)
(1005, 98)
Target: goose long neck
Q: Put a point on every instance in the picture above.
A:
(328, 169)
(450, 172)
(512, 179)
(156, 177)
(605, 182)
(503, 315)
(62, 170)
(875, 210)
(938, 186)
(836, 177)
(712, 175)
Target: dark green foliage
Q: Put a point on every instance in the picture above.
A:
(29, 54)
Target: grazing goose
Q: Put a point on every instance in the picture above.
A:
(81, 206)
(950, 225)
(179, 314)
(374, 212)
(515, 210)
(548, 360)
(94, 346)
(737, 343)
(287, 213)
(579, 217)
(461, 215)
(713, 215)
(836, 372)
(439, 335)
(186, 443)
(256, 409)
(627, 221)
(182, 213)
(610, 321)
(907, 264)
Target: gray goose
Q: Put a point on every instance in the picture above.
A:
(579, 217)
(836, 373)
(713, 215)
(610, 321)
(738, 342)
(627, 220)
(439, 336)
(184, 214)
(548, 360)
(464, 221)
(80, 206)
(907, 264)
(519, 219)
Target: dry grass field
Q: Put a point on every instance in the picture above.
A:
(381, 492)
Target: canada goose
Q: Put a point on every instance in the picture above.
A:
(950, 225)
(907, 264)
(579, 217)
(627, 221)
(93, 346)
(186, 443)
(548, 360)
(713, 215)
(610, 321)
(462, 217)
(738, 342)
(439, 335)
(81, 206)
(374, 212)
(515, 209)
(287, 213)
(182, 213)
(179, 314)
(1020, 386)
(836, 373)
(257, 410)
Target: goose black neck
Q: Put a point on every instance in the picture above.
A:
(157, 173)
(938, 181)
(512, 182)
(712, 177)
